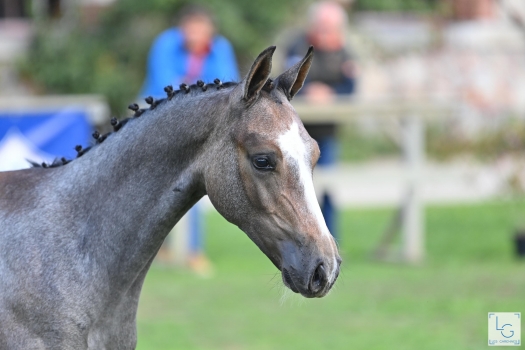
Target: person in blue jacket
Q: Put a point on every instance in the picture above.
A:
(189, 52)
(184, 54)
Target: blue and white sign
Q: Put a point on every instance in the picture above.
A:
(504, 328)
(41, 136)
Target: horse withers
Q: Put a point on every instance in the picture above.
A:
(78, 237)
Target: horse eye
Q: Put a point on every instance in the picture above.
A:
(262, 163)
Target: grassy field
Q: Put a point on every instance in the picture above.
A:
(442, 304)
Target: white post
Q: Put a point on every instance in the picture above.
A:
(177, 242)
(413, 214)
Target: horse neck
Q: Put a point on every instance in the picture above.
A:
(130, 191)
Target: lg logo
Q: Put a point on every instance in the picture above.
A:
(510, 332)
(504, 329)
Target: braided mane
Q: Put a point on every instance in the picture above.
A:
(184, 89)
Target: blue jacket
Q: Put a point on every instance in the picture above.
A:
(168, 61)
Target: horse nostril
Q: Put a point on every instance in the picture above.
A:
(318, 280)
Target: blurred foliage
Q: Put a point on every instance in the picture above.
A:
(443, 142)
(358, 146)
(108, 56)
(507, 138)
(398, 5)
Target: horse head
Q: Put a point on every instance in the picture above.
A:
(259, 177)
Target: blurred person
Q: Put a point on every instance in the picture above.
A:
(184, 54)
(331, 74)
(189, 52)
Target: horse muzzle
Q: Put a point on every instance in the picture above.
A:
(315, 283)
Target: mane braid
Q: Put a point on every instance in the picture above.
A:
(139, 112)
(184, 87)
(193, 90)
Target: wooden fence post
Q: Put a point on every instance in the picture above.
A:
(413, 214)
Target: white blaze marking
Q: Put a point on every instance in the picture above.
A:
(293, 146)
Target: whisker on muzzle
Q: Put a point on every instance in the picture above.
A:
(290, 298)
(275, 282)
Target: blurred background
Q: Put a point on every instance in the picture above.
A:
(419, 110)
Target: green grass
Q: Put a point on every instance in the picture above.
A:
(442, 304)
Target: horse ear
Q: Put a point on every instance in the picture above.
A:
(259, 73)
(293, 79)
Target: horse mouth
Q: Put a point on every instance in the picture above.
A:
(288, 281)
(318, 285)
